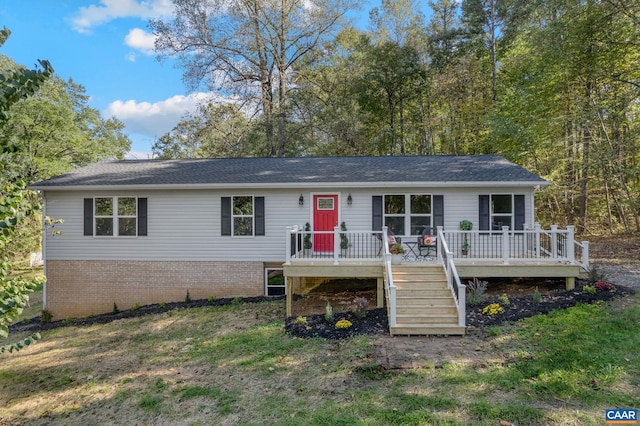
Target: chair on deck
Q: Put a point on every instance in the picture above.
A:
(427, 243)
(392, 239)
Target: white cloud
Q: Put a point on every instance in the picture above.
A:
(140, 40)
(107, 10)
(155, 119)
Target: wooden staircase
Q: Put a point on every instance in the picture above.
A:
(424, 303)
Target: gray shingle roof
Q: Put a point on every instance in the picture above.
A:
(291, 171)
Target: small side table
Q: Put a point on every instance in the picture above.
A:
(411, 245)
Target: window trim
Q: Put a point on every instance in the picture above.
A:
(267, 270)
(252, 216)
(115, 217)
(408, 214)
(512, 215)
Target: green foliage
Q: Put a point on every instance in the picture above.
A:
(328, 313)
(46, 317)
(537, 297)
(115, 308)
(307, 236)
(344, 240)
(504, 299)
(589, 289)
(187, 297)
(135, 306)
(476, 291)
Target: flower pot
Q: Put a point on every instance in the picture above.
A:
(396, 259)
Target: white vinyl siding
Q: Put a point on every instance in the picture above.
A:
(185, 225)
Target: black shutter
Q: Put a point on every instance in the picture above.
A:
(88, 216)
(518, 208)
(142, 217)
(438, 211)
(484, 213)
(376, 210)
(258, 205)
(226, 215)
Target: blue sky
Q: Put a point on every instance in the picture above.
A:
(106, 46)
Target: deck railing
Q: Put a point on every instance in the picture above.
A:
(505, 245)
(453, 279)
(529, 244)
(333, 245)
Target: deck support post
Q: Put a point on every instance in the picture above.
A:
(380, 293)
(288, 284)
(570, 283)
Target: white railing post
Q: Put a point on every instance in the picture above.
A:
(571, 248)
(439, 242)
(554, 241)
(462, 305)
(585, 255)
(505, 245)
(537, 237)
(392, 304)
(288, 245)
(336, 245)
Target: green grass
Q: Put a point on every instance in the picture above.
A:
(235, 364)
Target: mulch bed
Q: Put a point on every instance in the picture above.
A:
(376, 323)
(34, 324)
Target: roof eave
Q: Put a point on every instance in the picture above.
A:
(291, 185)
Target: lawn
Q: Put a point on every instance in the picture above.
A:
(235, 364)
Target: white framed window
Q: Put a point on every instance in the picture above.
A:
(501, 211)
(242, 215)
(410, 212)
(274, 282)
(115, 216)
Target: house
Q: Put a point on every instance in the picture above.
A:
(150, 231)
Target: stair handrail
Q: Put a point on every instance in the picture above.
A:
(390, 286)
(458, 290)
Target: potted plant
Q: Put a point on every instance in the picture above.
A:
(307, 238)
(344, 241)
(397, 251)
(465, 225)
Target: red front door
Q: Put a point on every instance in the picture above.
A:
(325, 218)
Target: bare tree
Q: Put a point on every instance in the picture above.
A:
(249, 48)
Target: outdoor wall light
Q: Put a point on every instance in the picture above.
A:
(301, 200)
(349, 199)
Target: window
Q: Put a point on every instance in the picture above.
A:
(501, 211)
(402, 212)
(115, 216)
(242, 215)
(274, 282)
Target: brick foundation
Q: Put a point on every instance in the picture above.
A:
(81, 288)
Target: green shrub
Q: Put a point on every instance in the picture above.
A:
(537, 297)
(46, 317)
(504, 299)
(476, 291)
(187, 298)
(115, 308)
(589, 289)
(135, 307)
(301, 320)
(328, 313)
